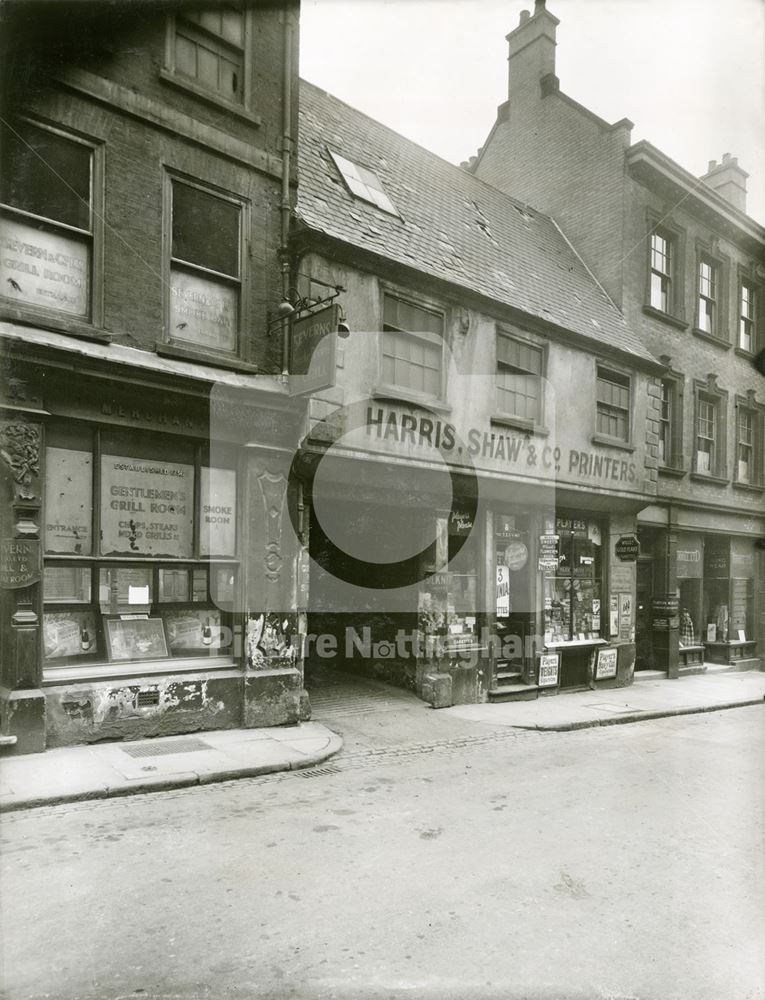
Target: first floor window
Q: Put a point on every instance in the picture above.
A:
(412, 347)
(708, 292)
(46, 218)
(519, 378)
(671, 422)
(707, 435)
(665, 422)
(140, 546)
(613, 404)
(747, 316)
(748, 445)
(662, 264)
(205, 267)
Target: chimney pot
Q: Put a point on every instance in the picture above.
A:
(712, 165)
(524, 16)
(539, 5)
(726, 157)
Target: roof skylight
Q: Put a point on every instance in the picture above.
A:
(364, 184)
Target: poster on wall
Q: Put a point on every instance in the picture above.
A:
(625, 617)
(147, 507)
(503, 591)
(548, 552)
(605, 664)
(516, 556)
(68, 505)
(217, 512)
(613, 615)
(549, 664)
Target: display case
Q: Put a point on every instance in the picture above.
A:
(573, 588)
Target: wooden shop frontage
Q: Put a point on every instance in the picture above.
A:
(148, 588)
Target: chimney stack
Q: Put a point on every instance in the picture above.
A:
(531, 48)
(728, 180)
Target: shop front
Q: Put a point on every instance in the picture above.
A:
(511, 588)
(160, 598)
(713, 595)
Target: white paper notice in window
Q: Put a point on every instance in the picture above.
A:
(44, 269)
(68, 504)
(203, 312)
(147, 507)
(217, 513)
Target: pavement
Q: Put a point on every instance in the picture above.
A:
(645, 699)
(367, 713)
(71, 774)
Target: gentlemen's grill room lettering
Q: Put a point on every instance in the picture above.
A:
(425, 432)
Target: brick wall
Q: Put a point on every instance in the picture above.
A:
(564, 161)
(110, 67)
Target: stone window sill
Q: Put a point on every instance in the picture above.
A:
(202, 357)
(671, 470)
(210, 97)
(518, 424)
(394, 394)
(57, 323)
(711, 339)
(749, 355)
(608, 442)
(705, 477)
(679, 324)
(749, 487)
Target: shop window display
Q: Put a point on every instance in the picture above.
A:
(449, 593)
(573, 588)
(165, 525)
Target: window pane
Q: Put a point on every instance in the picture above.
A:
(45, 174)
(68, 501)
(205, 230)
(146, 506)
(69, 634)
(185, 56)
(66, 585)
(45, 268)
(232, 27)
(125, 589)
(207, 67)
(411, 363)
(659, 292)
(203, 312)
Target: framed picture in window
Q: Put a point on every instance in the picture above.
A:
(69, 633)
(135, 639)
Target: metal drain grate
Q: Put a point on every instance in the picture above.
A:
(163, 748)
(315, 771)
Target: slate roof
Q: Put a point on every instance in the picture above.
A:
(453, 226)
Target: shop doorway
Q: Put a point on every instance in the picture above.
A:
(644, 653)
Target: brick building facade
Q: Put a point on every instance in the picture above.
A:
(686, 266)
(147, 179)
(476, 471)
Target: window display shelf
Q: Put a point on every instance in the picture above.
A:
(573, 643)
(110, 671)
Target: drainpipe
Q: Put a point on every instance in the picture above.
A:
(286, 167)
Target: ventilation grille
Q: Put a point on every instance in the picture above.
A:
(162, 748)
(146, 698)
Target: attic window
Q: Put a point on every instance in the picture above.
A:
(364, 184)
